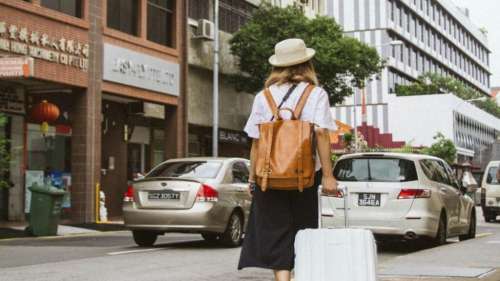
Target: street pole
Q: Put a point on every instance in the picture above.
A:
(215, 126)
(355, 124)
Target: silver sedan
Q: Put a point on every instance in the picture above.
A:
(193, 195)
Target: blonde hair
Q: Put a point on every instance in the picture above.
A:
(294, 74)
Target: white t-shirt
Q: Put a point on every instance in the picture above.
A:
(316, 109)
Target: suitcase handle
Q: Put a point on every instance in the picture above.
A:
(345, 194)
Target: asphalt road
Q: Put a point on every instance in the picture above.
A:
(181, 257)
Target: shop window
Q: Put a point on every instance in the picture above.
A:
(161, 18)
(158, 147)
(123, 15)
(199, 9)
(233, 14)
(70, 7)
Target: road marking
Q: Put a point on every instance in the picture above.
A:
(133, 251)
(481, 235)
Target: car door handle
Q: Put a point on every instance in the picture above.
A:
(443, 189)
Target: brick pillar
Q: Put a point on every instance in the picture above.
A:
(86, 139)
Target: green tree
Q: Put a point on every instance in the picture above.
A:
(443, 148)
(4, 156)
(490, 106)
(340, 61)
(433, 83)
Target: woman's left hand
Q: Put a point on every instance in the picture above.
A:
(330, 185)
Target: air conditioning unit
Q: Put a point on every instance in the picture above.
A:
(205, 29)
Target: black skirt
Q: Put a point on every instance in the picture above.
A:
(275, 218)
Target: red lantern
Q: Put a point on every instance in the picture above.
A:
(44, 113)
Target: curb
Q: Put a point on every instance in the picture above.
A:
(70, 235)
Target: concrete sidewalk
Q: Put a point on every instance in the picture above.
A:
(15, 230)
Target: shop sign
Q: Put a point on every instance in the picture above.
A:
(19, 40)
(12, 101)
(16, 67)
(154, 110)
(232, 137)
(132, 68)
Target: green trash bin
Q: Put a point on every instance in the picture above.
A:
(45, 209)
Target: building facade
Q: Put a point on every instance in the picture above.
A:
(473, 130)
(436, 37)
(234, 107)
(114, 70)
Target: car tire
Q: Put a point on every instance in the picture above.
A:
(472, 229)
(233, 235)
(490, 217)
(441, 234)
(144, 238)
(210, 237)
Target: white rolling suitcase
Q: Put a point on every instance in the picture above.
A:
(335, 254)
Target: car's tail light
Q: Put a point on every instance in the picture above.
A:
(412, 193)
(206, 193)
(129, 195)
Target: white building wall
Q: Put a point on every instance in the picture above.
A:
(417, 119)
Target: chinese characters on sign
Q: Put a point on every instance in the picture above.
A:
(20, 40)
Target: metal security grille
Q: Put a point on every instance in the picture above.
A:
(234, 14)
(199, 9)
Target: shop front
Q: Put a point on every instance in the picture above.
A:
(139, 125)
(232, 143)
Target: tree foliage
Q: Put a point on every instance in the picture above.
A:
(443, 148)
(341, 62)
(433, 83)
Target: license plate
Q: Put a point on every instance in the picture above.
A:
(369, 199)
(164, 195)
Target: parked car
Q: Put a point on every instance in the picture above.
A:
(490, 188)
(408, 196)
(192, 195)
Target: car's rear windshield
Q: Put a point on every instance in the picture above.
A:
(375, 170)
(493, 176)
(187, 169)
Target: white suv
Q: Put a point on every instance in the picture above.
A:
(490, 191)
(404, 195)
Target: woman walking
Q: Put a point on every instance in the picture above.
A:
(277, 215)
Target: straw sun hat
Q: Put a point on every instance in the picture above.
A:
(291, 52)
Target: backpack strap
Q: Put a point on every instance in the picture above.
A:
(303, 99)
(271, 103)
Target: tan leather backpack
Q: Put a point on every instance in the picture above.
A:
(286, 148)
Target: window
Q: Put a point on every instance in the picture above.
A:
(161, 22)
(187, 169)
(70, 7)
(434, 171)
(375, 170)
(240, 173)
(122, 15)
(234, 14)
(199, 9)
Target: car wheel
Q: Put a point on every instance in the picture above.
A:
(441, 234)
(490, 217)
(144, 238)
(210, 237)
(472, 229)
(233, 236)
